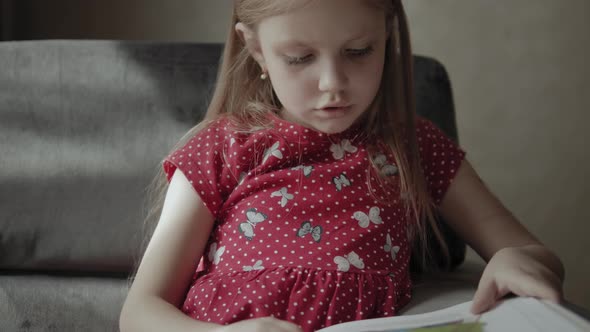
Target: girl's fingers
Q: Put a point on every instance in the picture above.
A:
(485, 296)
(555, 292)
(488, 292)
(534, 286)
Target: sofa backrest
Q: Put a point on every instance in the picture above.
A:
(83, 128)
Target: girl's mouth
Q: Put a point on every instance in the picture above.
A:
(335, 109)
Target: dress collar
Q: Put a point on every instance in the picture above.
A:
(297, 132)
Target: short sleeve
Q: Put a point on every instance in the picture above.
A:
(201, 161)
(440, 158)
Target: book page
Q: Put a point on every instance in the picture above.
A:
(515, 314)
(453, 317)
(528, 314)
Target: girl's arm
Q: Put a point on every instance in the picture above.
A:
(517, 261)
(169, 263)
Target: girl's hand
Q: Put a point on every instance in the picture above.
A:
(517, 270)
(265, 324)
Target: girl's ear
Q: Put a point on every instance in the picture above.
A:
(252, 43)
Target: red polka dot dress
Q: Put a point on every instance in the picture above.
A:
(304, 230)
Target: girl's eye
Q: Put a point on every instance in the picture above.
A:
(359, 52)
(296, 60)
(352, 52)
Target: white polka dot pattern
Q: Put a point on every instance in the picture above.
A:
(441, 158)
(300, 234)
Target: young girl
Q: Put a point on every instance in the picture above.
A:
(302, 190)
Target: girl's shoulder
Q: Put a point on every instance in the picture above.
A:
(424, 124)
(218, 125)
(236, 127)
(440, 156)
(213, 132)
(428, 132)
(228, 137)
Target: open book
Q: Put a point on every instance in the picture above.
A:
(514, 314)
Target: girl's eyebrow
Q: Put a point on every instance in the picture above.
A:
(286, 43)
(295, 43)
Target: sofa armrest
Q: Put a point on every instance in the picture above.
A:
(35, 302)
(439, 290)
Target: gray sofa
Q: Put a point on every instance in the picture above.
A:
(83, 127)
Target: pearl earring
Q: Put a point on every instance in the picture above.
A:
(263, 76)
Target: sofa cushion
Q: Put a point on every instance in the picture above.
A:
(83, 126)
(54, 303)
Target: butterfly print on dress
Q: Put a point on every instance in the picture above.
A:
(285, 196)
(242, 178)
(254, 217)
(215, 254)
(345, 262)
(386, 169)
(340, 149)
(365, 220)
(307, 228)
(257, 266)
(272, 151)
(388, 247)
(306, 169)
(341, 181)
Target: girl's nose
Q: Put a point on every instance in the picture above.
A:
(332, 77)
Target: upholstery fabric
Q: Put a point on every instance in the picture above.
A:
(83, 126)
(60, 303)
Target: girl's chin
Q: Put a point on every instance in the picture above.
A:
(326, 125)
(331, 128)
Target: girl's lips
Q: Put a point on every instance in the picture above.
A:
(334, 112)
(335, 109)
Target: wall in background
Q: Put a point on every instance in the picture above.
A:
(7, 15)
(521, 85)
(176, 20)
(522, 90)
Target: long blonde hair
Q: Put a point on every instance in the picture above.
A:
(240, 94)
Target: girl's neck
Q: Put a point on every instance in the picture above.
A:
(284, 123)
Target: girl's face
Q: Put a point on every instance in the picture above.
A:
(325, 61)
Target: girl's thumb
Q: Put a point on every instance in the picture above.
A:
(485, 296)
